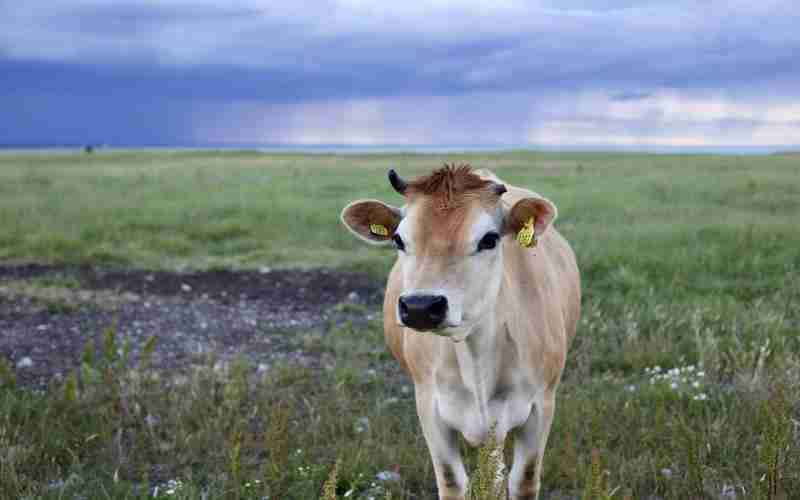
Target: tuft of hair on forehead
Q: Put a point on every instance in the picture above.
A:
(451, 185)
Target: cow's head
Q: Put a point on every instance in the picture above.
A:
(449, 236)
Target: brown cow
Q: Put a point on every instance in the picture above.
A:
(480, 317)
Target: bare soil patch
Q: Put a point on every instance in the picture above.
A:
(48, 313)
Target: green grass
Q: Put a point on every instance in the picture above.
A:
(686, 261)
(719, 216)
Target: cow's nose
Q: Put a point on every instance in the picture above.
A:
(423, 312)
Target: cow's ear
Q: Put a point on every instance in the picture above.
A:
(541, 210)
(371, 220)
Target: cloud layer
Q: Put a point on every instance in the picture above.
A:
(561, 73)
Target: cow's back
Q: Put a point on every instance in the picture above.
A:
(548, 273)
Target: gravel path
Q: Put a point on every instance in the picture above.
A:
(48, 313)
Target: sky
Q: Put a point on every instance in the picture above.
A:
(557, 73)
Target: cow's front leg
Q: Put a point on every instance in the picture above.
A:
(451, 477)
(529, 445)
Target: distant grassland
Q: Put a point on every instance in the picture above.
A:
(687, 223)
(682, 383)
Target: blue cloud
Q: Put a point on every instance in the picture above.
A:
(630, 96)
(168, 57)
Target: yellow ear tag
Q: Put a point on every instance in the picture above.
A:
(527, 235)
(378, 229)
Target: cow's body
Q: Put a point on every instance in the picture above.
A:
(502, 372)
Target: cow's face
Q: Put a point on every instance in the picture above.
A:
(451, 262)
(449, 238)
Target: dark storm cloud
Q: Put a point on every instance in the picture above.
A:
(132, 54)
(512, 49)
(630, 96)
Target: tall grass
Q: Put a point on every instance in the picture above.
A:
(115, 427)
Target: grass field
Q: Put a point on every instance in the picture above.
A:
(683, 382)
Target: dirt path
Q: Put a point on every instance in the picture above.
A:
(48, 313)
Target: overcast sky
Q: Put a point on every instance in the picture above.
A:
(490, 72)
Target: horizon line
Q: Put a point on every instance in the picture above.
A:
(356, 148)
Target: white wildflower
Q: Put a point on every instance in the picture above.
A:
(362, 425)
(387, 475)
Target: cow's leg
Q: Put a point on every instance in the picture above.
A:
(451, 477)
(529, 445)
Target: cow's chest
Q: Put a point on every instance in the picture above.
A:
(473, 411)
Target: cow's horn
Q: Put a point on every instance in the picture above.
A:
(398, 184)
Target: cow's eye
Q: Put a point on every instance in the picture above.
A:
(488, 241)
(398, 242)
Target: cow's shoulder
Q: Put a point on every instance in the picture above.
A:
(540, 301)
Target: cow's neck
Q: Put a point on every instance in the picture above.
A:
(479, 358)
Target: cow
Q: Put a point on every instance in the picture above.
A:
(480, 308)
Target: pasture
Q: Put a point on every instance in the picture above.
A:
(683, 381)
